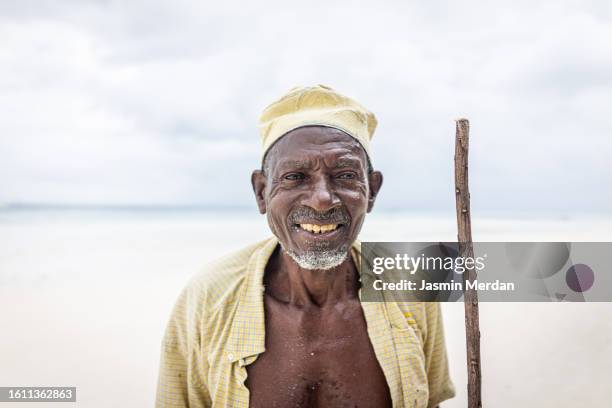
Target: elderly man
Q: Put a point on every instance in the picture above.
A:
(280, 323)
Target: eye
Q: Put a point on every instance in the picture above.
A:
(294, 176)
(347, 176)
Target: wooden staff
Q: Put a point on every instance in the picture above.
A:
(464, 236)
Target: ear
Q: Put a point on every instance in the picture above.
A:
(258, 180)
(375, 179)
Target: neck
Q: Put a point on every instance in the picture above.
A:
(287, 282)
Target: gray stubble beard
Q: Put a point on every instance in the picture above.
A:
(319, 260)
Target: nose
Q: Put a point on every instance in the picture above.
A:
(322, 196)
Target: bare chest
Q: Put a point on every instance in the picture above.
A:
(317, 358)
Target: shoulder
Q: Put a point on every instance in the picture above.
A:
(214, 289)
(218, 281)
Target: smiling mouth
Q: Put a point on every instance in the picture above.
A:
(319, 229)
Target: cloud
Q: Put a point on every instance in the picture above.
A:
(157, 102)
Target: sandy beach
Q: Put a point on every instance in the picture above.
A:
(84, 300)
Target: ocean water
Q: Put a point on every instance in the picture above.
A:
(85, 295)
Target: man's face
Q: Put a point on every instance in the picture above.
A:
(316, 191)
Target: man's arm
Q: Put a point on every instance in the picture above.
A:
(183, 368)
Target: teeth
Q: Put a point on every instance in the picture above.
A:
(317, 229)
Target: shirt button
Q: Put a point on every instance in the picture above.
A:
(230, 356)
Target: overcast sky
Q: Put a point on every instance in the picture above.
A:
(156, 102)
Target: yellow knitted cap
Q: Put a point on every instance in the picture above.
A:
(316, 105)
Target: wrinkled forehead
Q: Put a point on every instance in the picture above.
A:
(305, 146)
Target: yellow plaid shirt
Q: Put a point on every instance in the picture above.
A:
(217, 328)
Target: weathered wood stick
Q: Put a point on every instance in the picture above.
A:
(466, 249)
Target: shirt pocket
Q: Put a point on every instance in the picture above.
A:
(411, 361)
